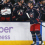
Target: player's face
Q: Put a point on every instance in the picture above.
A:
(20, 4)
(29, 4)
(22, 1)
(44, 2)
(8, 0)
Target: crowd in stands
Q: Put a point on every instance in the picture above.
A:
(11, 12)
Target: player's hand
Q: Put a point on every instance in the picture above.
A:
(39, 22)
(13, 9)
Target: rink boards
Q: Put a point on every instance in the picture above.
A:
(17, 33)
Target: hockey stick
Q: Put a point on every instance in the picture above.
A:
(41, 25)
(33, 20)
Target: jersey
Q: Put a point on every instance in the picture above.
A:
(32, 14)
(39, 11)
(16, 4)
(6, 11)
(19, 11)
(0, 7)
(42, 8)
(5, 8)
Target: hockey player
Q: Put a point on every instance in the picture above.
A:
(33, 14)
(34, 29)
(42, 8)
(19, 10)
(23, 3)
(6, 11)
(16, 4)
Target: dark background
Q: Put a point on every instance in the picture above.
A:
(25, 0)
(13, 1)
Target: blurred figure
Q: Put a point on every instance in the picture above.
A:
(16, 4)
(32, 1)
(33, 15)
(29, 5)
(0, 9)
(6, 11)
(18, 11)
(23, 3)
(42, 8)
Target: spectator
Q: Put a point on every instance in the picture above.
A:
(6, 6)
(19, 8)
(19, 11)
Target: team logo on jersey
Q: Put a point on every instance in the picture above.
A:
(20, 12)
(31, 15)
